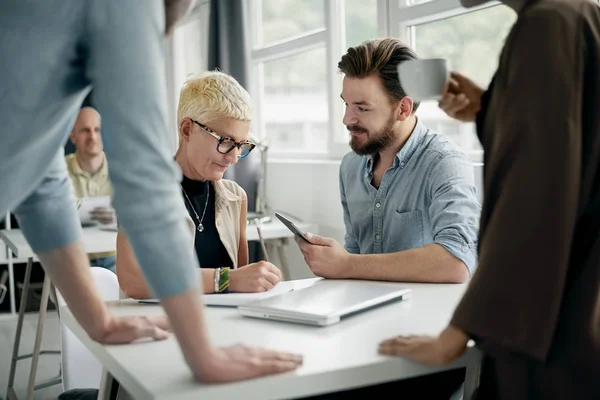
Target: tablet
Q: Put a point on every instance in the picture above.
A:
(290, 225)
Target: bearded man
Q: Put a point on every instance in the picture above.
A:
(410, 203)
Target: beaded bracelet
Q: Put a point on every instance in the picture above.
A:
(217, 279)
(224, 280)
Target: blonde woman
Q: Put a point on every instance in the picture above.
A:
(214, 116)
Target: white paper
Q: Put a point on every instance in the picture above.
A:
(87, 204)
(238, 299)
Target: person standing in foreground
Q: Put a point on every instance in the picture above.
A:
(530, 305)
(59, 50)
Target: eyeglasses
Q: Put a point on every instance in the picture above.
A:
(226, 145)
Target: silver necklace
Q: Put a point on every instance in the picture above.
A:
(200, 226)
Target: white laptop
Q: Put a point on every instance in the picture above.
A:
(325, 303)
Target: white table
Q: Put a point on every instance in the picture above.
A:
(95, 240)
(337, 357)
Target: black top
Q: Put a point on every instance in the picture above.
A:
(209, 248)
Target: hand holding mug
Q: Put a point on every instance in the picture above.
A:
(462, 98)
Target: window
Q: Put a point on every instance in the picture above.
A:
(295, 48)
(470, 39)
(360, 21)
(295, 102)
(296, 45)
(283, 19)
(475, 55)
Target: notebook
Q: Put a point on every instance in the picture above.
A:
(237, 299)
(86, 205)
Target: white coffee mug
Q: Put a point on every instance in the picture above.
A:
(424, 79)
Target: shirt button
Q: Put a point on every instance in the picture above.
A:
(378, 236)
(378, 205)
(366, 175)
(402, 163)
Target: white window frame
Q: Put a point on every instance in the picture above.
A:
(332, 38)
(402, 18)
(394, 19)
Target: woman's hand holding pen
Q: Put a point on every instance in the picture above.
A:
(256, 277)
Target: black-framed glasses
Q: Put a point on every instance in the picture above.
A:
(226, 145)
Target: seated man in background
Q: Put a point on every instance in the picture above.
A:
(214, 117)
(88, 171)
(410, 204)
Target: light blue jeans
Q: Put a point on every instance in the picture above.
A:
(109, 263)
(53, 53)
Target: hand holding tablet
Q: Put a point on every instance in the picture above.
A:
(292, 227)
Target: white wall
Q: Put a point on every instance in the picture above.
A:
(309, 191)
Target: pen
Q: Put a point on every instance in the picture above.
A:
(262, 243)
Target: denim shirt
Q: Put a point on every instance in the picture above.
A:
(427, 196)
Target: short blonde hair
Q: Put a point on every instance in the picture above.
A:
(211, 95)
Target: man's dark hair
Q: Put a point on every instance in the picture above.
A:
(380, 57)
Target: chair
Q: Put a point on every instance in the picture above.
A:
(80, 368)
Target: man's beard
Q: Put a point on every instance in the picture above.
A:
(93, 151)
(376, 142)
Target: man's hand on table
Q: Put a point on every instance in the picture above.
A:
(122, 330)
(237, 363)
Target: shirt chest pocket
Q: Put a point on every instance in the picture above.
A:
(405, 230)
